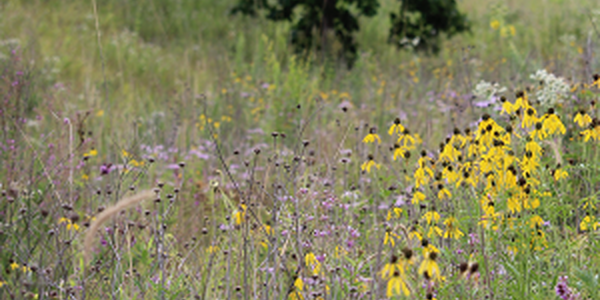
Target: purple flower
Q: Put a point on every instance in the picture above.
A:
(473, 240)
(173, 167)
(105, 169)
(563, 291)
(350, 243)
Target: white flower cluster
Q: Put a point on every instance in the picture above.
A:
(485, 90)
(553, 89)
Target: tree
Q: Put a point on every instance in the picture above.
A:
(419, 20)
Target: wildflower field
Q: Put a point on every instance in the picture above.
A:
(169, 150)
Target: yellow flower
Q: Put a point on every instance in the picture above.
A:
(93, 152)
(530, 163)
(495, 24)
(429, 267)
(530, 117)
(100, 113)
(239, 214)
(212, 249)
(417, 197)
(394, 212)
(522, 101)
(552, 123)
(408, 141)
(312, 263)
(2, 283)
(397, 284)
(449, 153)
(14, 266)
(431, 217)
(535, 221)
(396, 127)
(389, 237)
(534, 148)
(538, 132)
(70, 224)
(452, 230)
(390, 268)
(444, 193)
(372, 137)
(324, 95)
(449, 174)
(296, 294)
(582, 119)
(588, 222)
(367, 165)
(560, 174)
(399, 151)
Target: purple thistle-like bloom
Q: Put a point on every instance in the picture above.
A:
(563, 291)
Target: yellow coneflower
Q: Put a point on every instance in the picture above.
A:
(533, 147)
(239, 214)
(399, 151)
(522, 101)
(538, 132)
(495, 24)
(582, 119)
(367, 165)
(589, 222)
(552, 123)
(70, 224)
(296, 293)
(417, 197)
(396, 285)
(396, 127)
(507, 107)
(429, 267)
(391, 267)
(395, 212)
(529, 163)
(530, 117)
(390, 237)
(452, 228)
(596, 80)
(535, 221)
(407, 140)
(312, 263)
(449, 174)
(449, 153)
(372, 136)
(559, 173)
(443, 192)
(431, 217)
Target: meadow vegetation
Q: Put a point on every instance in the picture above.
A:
(171, 150)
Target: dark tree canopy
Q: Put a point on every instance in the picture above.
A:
(421, 20)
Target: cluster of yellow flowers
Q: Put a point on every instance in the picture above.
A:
(499, 165)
